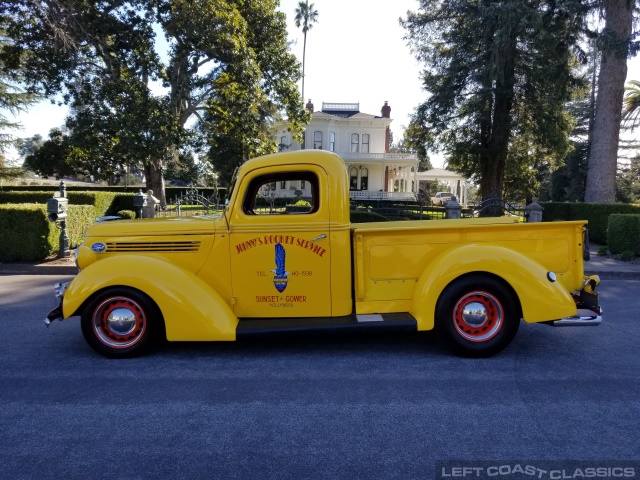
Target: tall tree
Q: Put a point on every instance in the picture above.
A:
(13, 99)
(496, 70)
(614, 42)
(306, 16)
(135, 99)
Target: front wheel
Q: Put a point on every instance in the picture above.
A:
(477, 316)
(120, 322)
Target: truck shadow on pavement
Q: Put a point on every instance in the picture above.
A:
(312, 344)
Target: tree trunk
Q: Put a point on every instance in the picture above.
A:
(155, 180)
(492, 180)
(304, 55)
(603, 156)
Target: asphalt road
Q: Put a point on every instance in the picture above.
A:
(310, 407)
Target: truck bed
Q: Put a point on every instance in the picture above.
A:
(389, 258)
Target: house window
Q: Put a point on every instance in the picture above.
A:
(355, 143)
(364, 179)
(282, 146)
(353, 178)
(332, 141)
(317, 140)
(365, 143)
(283, 185)
(303, 184)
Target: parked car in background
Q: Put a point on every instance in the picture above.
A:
(440, 199)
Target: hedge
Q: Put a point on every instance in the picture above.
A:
(624, 233)
(28, 236)
(105, 203)
(170, 192)
(597, 214)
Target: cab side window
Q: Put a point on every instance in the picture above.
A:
(282, 193)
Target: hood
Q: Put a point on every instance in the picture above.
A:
(203, 225)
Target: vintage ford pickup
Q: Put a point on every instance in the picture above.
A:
(254, 270)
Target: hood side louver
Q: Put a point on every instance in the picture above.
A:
(153, 247)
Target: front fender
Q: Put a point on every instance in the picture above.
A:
(192, 310)
(539, 298)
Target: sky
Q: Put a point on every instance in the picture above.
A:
(355, 53)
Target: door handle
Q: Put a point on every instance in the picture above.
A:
(319, 237)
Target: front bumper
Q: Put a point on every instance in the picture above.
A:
(58, 291)
(54, 315)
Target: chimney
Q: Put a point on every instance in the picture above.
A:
(386, 110)
(309, 106)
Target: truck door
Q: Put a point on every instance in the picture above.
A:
(280, 244)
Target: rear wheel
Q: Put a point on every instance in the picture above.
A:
(477, 316)
(121, 322)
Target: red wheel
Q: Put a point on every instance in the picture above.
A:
(477, 315)
(120, 322)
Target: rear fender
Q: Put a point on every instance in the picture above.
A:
(192, 310)
(540, 299)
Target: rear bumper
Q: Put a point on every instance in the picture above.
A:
(586, 317)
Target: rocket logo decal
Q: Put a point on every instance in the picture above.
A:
(280, 280)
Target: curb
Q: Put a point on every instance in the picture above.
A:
(612, 275)
(43, 269)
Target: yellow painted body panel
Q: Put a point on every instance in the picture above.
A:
(191, 309)
(206, 273)
(412, 266)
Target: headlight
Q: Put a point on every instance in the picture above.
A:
(84, 257)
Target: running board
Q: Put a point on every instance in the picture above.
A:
(248, 327)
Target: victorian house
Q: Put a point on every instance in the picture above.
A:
(362, 140)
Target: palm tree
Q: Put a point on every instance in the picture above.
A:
(305, 16)
(631, 110)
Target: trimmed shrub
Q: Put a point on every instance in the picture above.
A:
(627, 256)
(624, 233)
(105, 203)
(359, 216)
(27, 235)
(170, 192)
(127, 214)
(597, 214)
(80, 217)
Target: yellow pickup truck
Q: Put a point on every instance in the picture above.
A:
(258, 268)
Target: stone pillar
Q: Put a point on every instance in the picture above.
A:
(533, 211)
(453, 209)
(149, 208)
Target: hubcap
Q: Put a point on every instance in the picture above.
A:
(478, 316)
(474, 314)
(119, 322)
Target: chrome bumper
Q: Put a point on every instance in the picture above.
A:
(584, 318)
(58, 291)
